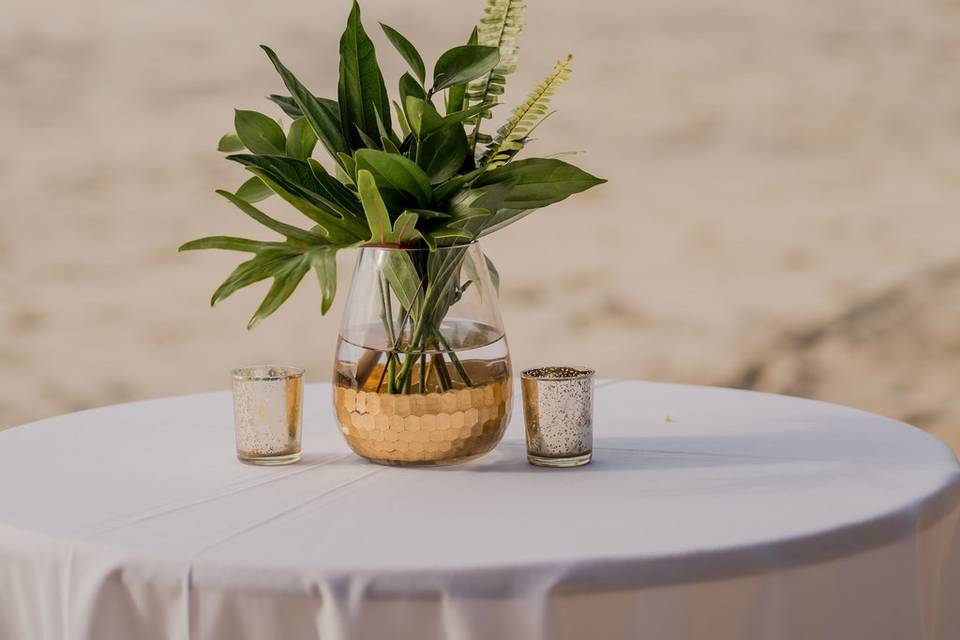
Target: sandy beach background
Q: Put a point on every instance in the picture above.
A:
(783, 211)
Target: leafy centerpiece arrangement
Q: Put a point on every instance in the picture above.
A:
(422, 372)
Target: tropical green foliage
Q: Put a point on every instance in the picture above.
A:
(403, 173)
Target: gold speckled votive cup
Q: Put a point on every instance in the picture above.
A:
(268, 411)
(558, 413)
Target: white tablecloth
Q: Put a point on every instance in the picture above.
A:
(742, 516)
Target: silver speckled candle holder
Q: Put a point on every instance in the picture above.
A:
(268, 410)
(558, 413)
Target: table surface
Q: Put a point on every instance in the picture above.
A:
(678, 472)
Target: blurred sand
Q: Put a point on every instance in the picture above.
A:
(782, 209)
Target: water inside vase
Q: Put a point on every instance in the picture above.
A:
(477, 356)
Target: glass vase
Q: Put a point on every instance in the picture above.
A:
(422, 373)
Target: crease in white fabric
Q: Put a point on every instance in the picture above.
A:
(463, 613)
(357, 589)
(66, 580)
(186, 607)
(334, 622)
(235, 488)
(283, 512)
(549, 582)
(91, 595)
(452, 618)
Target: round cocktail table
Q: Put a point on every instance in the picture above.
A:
(707, 513)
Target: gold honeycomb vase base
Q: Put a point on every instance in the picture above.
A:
(443, 462)
(426, 429)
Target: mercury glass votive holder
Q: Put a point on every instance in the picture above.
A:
(268, 411)
(558, 413)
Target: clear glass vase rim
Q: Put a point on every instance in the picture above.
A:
(465, 245)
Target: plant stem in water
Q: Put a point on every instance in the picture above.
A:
(423, 372)
(453, 358)
(415, 341)
(386, 316)
(442, 374)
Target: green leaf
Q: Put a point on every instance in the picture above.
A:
(377, 217)
(348, 167)
(288, 104)
(534, 183)
(410, 87)
(463, 64)
(415, 108)
(478, 220)
(443, 153)
(262, 266)
(424, 117)
(462, 203)
(457, 95)
(344, 177)
(441, 150)
(402, 275)
(385, 134)
(285, 282)
(459, 116)
(368, 141)
(259, 133)
(360, 91)
(314, 193)
(325, 265)
(407, 50)
(428, 239)
(389, 147)
(401, 119)
(394, 173)
(405, 228)
(494, 274)
(468, 220)
(445, 236)
(301, 139)
(253, 190)
(426, 120)
(293, 181)
(343, 199)
(227, 243)
(448, 189)
(337, 231)
(295, 234)
(285, 264)
(427, 214)
(230, 143)
(323, 114)
(503, 218)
